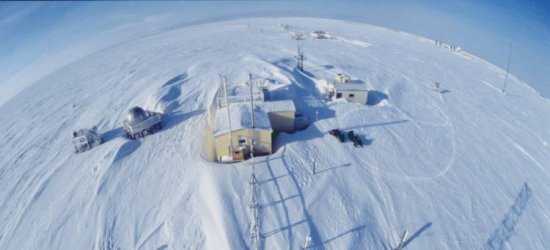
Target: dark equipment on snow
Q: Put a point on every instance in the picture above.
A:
(355, 139)
(336, 133)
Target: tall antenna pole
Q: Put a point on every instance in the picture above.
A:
(228, 115)
(251, 100)
(507, 68)
(300, 58)
(402, 241)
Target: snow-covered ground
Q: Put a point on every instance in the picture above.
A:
(468, 168)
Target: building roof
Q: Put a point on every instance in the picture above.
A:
(278, 106)
(350, 87)
(239, 93)
(243, 89)
(240, 118)
(81, 132)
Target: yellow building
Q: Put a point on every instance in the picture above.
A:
(237, 123)
(281, 115)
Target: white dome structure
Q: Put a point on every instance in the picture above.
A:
(136, 115)
(140, 122)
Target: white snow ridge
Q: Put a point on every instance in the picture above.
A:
(462, 168)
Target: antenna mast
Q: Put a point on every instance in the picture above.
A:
(228, 115)
(300, 58)
(251, 100)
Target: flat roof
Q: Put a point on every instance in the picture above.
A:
(240, 118)
(278, 106)
(351, 87)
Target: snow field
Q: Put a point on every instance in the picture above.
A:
(463, 169)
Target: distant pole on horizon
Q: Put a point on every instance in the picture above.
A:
(251, 100)
(300, 58)
(507, 68)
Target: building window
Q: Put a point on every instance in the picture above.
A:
(242, 141)
(351, 95)
(338, 95)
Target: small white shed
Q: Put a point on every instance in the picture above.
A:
(358, 93)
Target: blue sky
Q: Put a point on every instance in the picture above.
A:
(38, 38)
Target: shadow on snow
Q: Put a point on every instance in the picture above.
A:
(375, 97)
(507, 227)
(179, 78)
(417, 233)
(127, 149)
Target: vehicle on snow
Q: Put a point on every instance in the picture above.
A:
(140, 123)
(85, 139)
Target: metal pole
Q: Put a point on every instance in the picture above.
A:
(251, 100)
(402, 241)
(228, 116)
(507, 68)
(300, 58)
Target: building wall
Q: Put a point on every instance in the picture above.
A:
(282, 121)
(360, 96)
(261, 137)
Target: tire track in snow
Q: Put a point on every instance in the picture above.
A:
(446, 123)
(526, 154)
(313, 230)
(491, 86)
(507, 227)
(389, 208)
(221, 225)
(285, 208)
(316, 240)
(23, 209)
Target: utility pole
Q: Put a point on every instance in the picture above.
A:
(228, 115)
(402, 241)
(251, 100)
(507, 68)
(300, 58)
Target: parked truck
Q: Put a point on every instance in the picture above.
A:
(85, 139)
(140, 123)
